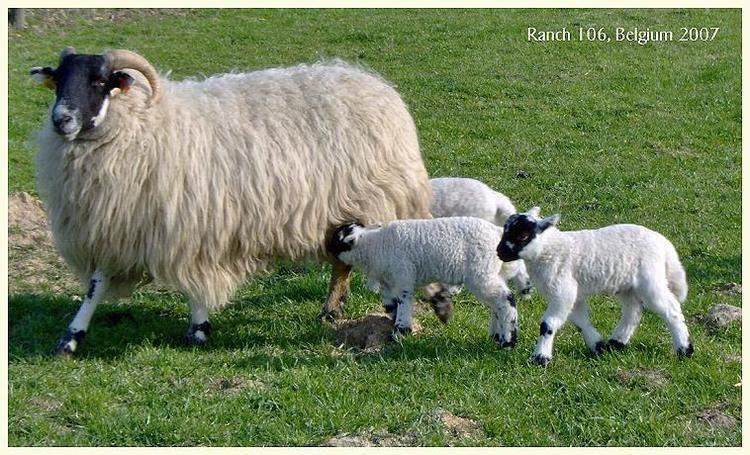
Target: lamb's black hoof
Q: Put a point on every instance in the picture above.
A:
(198, 333)
(506, 344)
(614, 345)
(69, 343)
(599, 348)
(540, 360)
(390, 310)
(685, 352)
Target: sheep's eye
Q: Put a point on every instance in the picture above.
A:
(100, 82)
(523, 237)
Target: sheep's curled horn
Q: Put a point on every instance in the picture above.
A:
(120, 59)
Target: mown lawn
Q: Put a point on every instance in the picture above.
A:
(599, 132)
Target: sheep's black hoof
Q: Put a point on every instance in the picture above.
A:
(390, 310)
(614, 345)
(685, 352)
(541, 360)
(399, 332)
(198, 333)
(599, 348)
(506, 344)
(69, 342)
(526, 293)
(443, 306)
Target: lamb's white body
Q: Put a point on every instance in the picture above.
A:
(633, 263)
(402, 255)
(459, 196)
(221, 176)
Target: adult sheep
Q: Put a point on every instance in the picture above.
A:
(198, 184)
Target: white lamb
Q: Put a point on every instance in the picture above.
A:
(459, 196)
(402, 255)
(639, 266)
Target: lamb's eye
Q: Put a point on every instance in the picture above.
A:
(523, 237)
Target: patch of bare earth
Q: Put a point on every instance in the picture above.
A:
(33, 261)
(729, 288)
(233, 385)
(371, 332)
(722, 315)
(716, 417)
(459, 427)
(371, 438)
(642, 377)
(46, 403)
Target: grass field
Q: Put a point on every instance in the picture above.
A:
(604, 132)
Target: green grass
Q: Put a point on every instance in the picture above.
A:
(608, 132)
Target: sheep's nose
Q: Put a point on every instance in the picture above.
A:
(65, 120)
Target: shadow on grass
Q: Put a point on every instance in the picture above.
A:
(708, 270)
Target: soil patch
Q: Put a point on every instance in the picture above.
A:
(460, 427)
(644, 378)
(716, 417)
(233, 385)
(371, 438)
(722, 315)
(729, 288)
(371, 332)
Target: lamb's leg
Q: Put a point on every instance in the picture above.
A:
(496, 295)
(440, 298)
(338, 289)
(200, 328)
(557, 313)
(76, 331)
(580, 317)
(390, 303)
(402, 299)
(661, 301)
(629, 320)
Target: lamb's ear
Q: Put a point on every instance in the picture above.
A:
(548, 222)
(534, 212)
(45, 76)
(352, 233)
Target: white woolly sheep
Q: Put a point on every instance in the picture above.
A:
(198, 184)
(402, 255)
(459, 196)
(638, 265)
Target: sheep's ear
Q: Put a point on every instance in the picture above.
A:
(534, 211)
(120, 82)
(45, 76)
(548, 222)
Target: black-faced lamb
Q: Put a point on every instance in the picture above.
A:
(199, 184)
(633, 263)
(404, 254)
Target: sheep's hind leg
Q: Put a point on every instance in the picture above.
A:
(629, 320)
(338, 289)
(662, 302)
(580, 318)
(200, 328)
(76, 331)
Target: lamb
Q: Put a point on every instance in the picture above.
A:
(200, 184)
(404, 254)
(458, 196)
(638, 265)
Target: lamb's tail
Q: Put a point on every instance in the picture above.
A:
(676, 279)
(505, 209)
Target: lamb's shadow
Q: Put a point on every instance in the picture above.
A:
(708, 270)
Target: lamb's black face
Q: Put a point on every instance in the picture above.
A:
(338, 242)
(519, 231)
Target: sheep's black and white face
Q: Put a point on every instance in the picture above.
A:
(519, 231)
(344, 237)
(83, 85)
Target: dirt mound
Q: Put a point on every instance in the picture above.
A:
(371, 438)
(729, 288)
(644, 378)
(460, 427)
(722, 315)
(716, 417)
(370, 332)
(33, 262)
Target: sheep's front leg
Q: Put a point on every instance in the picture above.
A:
(76, 331)
(557, 313)
(200, 328)
(338, 289)
(403, 301)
